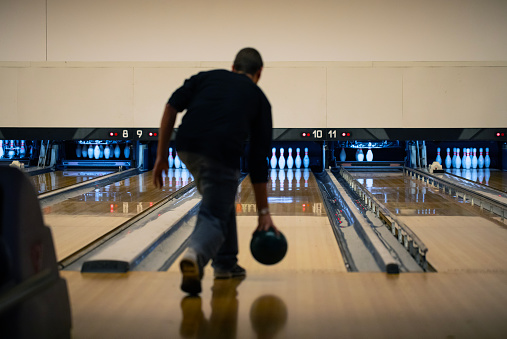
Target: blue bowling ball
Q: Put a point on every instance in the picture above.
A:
(267, 247)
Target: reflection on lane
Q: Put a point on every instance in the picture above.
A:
(490, 177)
(50, 181)
(290, 192)
(404, 195)
(127, 197)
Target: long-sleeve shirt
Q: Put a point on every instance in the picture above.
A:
(224, 109)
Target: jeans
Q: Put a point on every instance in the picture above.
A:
(215, 234)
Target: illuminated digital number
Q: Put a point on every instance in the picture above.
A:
(139, 133)
(125, 133)
(332, 133)
(317, 134)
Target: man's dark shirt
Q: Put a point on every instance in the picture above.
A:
(224, 109)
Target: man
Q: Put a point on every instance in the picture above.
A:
(223, 109)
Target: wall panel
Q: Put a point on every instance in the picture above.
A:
(463, 97)
(9, 97)
(75, 97)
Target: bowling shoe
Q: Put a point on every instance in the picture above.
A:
(236, 272)
(192, 272)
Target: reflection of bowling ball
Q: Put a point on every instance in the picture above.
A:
(268, 315)
(267, 247)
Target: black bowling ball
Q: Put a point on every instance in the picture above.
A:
(267, 247)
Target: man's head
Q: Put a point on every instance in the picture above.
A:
(249, 62)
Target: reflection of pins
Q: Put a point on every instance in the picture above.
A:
(298, 177)
(281, 160)
(290, 177)
(290, 159)
(297, 162)
(474, 174)
(369, 183)
(487, 174)
(281, 177)
(306, 176)
(177, 177)
(139, 207)
(468, 174)
(184, 176)
(273, 179)
(273, 158)
(458, 172)
(177, 161)
(170, 175)
(125, 207)
(481, 175)
(170, 159)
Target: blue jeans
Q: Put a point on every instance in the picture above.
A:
(215, 234)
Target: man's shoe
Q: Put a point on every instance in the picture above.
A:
(235, 272)
(192, 273)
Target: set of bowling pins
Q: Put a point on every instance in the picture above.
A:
(99, 151)
(12, 148)
(289, 175)
(175, 161)
(469, 160)
(290, 162)
(359, 155)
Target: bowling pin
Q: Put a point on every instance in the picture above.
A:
(96, 152)
(22, 149)
(117, 151)
(90, 151)
(281, 160)
(273, 158)
(298, 159)
(487, 160)
(469, 159)
(11, 152)
(343, 155)
(360, 155)
(1, 149)
(183, 165)
(177, 161)
(474, 159)
(306, 159)
(290, 159)
(107, 152)
(439, 158)
(84, 151)
(448, 159)
(480, 161)
(126, 151)
(170, 159)
(453, 160)
(101, 148)
(78, 151)
(458, 159)
(369, 155)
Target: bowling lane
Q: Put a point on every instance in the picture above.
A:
(494, 178)
(78, 221)
(298, 211)
(459, 236)
(51, 181)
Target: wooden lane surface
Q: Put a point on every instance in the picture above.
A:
(490, 177)
(290, 305)
(78, 221)
(459, 237)
(299, 214)
(51, 181)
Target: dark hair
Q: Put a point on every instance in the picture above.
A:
(248, 60)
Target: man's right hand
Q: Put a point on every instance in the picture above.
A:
(161, 165)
